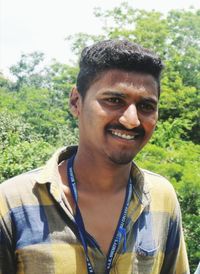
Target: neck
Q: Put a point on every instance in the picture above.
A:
(97, 176)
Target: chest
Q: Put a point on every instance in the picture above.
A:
(101, 217)
(35, 248)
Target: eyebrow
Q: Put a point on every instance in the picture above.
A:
(115, 93)
(122, 95)
(150, 100)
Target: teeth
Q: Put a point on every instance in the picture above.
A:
(124, 136)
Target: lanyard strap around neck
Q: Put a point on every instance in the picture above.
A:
(120, 231)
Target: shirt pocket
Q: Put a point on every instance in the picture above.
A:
(146, 252)
(144, 259)
(140, 261)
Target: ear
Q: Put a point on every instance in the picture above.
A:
(75, 102)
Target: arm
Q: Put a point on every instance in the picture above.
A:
(7, 262)
(175, 261)
(7, 257)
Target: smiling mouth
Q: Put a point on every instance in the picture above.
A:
(124, 136)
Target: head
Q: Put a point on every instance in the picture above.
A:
(116, 54)
(116, 99)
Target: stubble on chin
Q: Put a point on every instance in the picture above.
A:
(121, 158)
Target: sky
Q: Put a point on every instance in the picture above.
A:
(43, 25)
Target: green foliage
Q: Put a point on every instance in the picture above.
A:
(184, 33)
(182, 106)
(5, 83)
(22, 157)
(26, 145)
(192, 232)
(27, 71)
(45, 111)
(62, 77)
(21, 150)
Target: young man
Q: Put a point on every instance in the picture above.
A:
(91, 209)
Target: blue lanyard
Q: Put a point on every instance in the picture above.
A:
(120, 231)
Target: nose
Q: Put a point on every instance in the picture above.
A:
(129, 118)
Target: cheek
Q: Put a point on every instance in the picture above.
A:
(93, 116)
(101, 115)
(150, 123)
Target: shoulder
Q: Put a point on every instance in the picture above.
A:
(20, 181)
(162, 192)
(18, 190)
(155, 180)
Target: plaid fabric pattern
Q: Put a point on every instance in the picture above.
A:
(38, 233)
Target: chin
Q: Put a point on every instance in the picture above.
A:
(122, 158)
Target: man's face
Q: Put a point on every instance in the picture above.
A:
(117, 116)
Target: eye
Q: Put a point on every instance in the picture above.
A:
(114, 101)
(147, 107)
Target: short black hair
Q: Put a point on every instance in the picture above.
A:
(116, 54)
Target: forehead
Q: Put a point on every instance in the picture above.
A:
(124, 81)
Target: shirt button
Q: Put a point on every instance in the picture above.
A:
(142, 252)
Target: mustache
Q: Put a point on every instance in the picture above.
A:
(138, 130)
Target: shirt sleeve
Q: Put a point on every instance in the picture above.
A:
(7, 258)
(176, 260)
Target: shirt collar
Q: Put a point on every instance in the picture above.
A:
(50, 174)
(140, 184)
